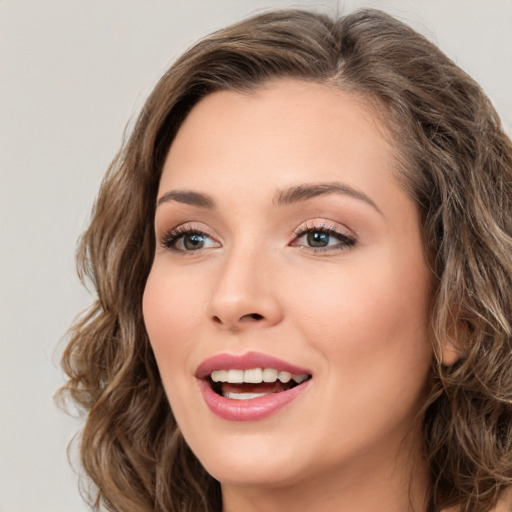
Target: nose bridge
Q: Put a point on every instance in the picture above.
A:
(243, 293)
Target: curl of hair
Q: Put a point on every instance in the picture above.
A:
(452, 157)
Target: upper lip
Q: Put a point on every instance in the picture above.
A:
(226, 361)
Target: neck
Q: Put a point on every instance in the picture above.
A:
(370, 484)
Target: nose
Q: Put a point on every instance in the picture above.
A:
(244, 295)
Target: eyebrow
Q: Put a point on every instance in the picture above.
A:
(187, 197)
(283, 197)
(308, 191)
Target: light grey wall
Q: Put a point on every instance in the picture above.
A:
(72, 72)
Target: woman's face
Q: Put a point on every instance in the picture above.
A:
(286, 246)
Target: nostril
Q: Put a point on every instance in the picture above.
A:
(249, 317)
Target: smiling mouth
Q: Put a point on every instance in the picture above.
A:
(252, 383)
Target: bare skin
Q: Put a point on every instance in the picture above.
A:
(296, 242)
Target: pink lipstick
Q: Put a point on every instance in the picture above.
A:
(251, 386)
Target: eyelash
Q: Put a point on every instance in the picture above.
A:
(345, 241)
(171, 238)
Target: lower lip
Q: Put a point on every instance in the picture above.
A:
(248, 410)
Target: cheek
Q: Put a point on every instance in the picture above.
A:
(371, 328)
(359, 298)
(370, 320)
(170, 309)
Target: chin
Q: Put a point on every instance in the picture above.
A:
(247, 474)
(252, 462)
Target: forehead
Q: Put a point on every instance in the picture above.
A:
(284, 132)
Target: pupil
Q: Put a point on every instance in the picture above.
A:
(192, 242)
(318, 239)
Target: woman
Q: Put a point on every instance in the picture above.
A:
(302, 259)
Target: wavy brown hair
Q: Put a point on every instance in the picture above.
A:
(452, 157)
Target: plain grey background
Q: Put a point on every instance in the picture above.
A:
(72, 74)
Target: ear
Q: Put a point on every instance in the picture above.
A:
(450, 353)
(456, 330)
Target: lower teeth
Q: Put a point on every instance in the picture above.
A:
(244, 396)
(248, 391)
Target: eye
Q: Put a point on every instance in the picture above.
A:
(187, 239)
(322, 238)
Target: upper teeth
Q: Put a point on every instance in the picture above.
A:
(256, 376)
